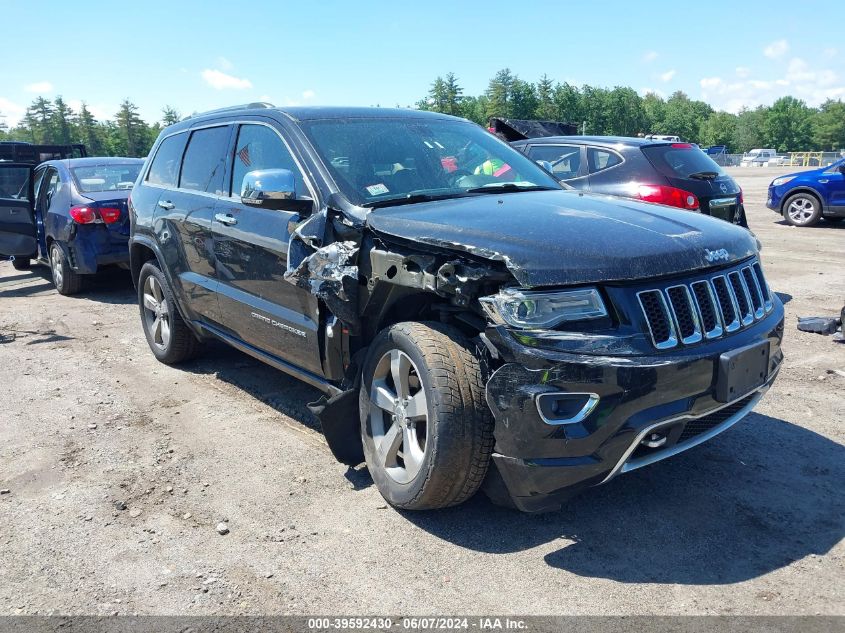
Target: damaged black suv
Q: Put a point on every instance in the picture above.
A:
(470, 322)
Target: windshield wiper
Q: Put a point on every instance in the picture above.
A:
(508, 187)
(705, 175)
(411, 199)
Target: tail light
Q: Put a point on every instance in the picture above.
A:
(110, 215)
(741, 197)
(91, 215)
(83, 215)
(671, 196)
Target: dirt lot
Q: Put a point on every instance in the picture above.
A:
(749, 523)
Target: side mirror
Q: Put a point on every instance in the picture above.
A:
(842, 169)
(273, 189)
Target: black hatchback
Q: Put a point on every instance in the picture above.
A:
(674, 174)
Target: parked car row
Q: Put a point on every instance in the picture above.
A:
(471, 322)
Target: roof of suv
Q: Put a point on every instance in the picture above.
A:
(608, 141)
(310, 113)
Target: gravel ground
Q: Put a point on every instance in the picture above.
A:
(117, 472)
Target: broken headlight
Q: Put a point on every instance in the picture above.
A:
(542, 310)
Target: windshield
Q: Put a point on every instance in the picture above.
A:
(682, 160)
(376, 162)
(105, 177)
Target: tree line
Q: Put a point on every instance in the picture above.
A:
(56, 123)
(789, 124)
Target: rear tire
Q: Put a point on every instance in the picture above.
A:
(67, 281)
(802, 209)
(170, 339)
(21, 263)
(427, 441)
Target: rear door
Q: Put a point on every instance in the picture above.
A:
(607, 172)
(184, 214)
(17, 219)
(567, 161)
(257, 305)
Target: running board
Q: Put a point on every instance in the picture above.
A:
(297, 372)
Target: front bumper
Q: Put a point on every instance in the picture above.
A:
(672, 395)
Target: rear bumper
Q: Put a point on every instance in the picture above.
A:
(672, 396)
(93, 246)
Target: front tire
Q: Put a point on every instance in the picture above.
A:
(169, 338)
(802, 209)
(425, 425)
(67, 281)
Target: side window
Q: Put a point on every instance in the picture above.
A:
(601, 159)
(165, 168)
(51, 185)
(205, 160)
(37, 179)
(564, 159)
(259, 147)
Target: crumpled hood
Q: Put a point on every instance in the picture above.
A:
(552, 238)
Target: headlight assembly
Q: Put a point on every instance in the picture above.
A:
(543, 310)
(777, 182)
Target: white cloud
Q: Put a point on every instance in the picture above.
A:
(668, 75)
(830, 53)
(224, 63)
(797, 78)
(221, 81)
(308, 95)
(776, 49)
(40, 87)
(10, 112)
(743, 71)
(650, 56)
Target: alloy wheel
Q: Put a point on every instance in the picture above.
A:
(156, 312)
(56, 266)
(801, 210)
(398, 416)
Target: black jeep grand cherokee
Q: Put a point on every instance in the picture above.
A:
(469, 321)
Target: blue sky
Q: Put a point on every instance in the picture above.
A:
(200, 55)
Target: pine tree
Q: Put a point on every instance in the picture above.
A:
(131, 131)
(89, 132)
(39, 120)
(169, 116)
(546, 110)
(499, 94)
(454, 95)
(63, 122)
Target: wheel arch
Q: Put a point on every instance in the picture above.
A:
(805, 189)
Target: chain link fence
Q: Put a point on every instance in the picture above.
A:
(787, 159)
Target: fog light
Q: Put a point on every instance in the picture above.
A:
(654, 440)
(565, 408)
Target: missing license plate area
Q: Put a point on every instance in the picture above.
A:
(742, 370)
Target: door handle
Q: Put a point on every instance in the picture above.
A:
(823, 180)
(166, 204)
(225, 218)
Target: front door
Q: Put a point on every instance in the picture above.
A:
(835, 187)
(257, 305)
(17, 218)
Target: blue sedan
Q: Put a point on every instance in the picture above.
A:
(70, 214)
(807, 196)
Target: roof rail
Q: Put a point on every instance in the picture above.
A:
(244, 106)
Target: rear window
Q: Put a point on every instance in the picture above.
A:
(205, 160)
(681, 160)
(105, 177)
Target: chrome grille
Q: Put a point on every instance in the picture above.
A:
(706, 308)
